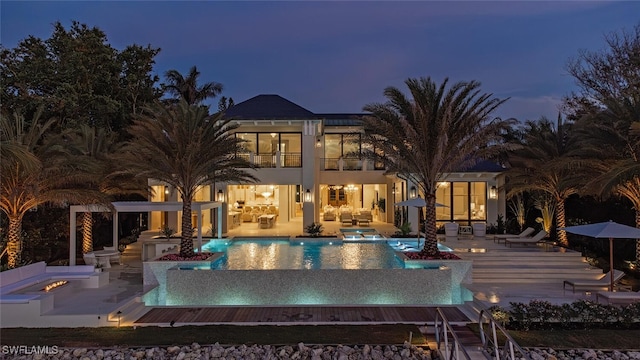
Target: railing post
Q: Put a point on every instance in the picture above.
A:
(278, 157)
(494, 334)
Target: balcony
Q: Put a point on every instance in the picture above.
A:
(277, 160)
(348, 164)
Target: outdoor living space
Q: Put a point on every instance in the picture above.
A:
(100, 306)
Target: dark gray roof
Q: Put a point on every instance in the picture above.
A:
(342, 119)
(486, 166)
(268, 107)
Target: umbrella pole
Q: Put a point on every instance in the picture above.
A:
(611, 263)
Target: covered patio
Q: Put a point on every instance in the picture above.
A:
(139, 206)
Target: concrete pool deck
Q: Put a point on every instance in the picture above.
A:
(126, 286)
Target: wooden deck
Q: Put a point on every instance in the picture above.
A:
(299, 315)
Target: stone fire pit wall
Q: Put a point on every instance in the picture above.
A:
(317, 287)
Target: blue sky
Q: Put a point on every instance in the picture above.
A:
(335, 56)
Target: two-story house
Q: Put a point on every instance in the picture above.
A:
(307, 175)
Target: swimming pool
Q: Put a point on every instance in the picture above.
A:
(301, 255)
(261, 272)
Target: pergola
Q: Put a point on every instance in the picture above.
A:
(139, 206)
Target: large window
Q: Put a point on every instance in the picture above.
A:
(265, 145)
(338, 146)
(464, 202)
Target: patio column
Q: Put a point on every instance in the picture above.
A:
(219, 227)
(72, 235)
(115, 229)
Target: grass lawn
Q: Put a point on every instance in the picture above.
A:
(574, 339)
(210, 334)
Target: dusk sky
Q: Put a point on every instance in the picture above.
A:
(334, 56)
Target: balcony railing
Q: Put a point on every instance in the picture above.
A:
(294, 160)
(279, 160)
(348, 164)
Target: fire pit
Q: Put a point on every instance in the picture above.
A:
(54, 285)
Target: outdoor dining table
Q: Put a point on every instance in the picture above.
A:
(103, 256)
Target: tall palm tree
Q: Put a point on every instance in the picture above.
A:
(186, 148)
(612, 138)
(187, 88)
(99, 145)
(546, 163)
(437, 130)
(40, 172)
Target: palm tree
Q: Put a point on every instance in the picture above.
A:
(187, 89)
(546, 163)
(99, 145)
(39, 172)
(612, 138)
(186, 148)
(436, 131)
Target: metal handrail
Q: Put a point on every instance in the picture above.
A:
(510, 351)
(452, 348)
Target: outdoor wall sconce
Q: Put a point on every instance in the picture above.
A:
(413, 193)
(493, 192)
(318, 143)
(307, 196)
(166, 190)
(220, 196)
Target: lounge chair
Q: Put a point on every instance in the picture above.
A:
(528, 231)
(618, 297)
(526, 240)
(363, 221)
(598, 284)
(346, 218)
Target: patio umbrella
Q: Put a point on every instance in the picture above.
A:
(610, 230)
(417, 202)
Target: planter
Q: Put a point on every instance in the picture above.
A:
(154, 272)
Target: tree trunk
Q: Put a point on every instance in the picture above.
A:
(560, 223)
(638, 240)
(186, 240)
(13, 240)
(431, 238)
(87, 232)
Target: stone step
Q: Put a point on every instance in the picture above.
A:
(532, 266)
(519, 255)
(517, 281)
(536, 272)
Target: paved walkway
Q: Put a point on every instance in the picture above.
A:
(299, 315)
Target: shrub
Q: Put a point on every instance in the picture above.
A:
(582, 313)
(404, 229)
(314, 229)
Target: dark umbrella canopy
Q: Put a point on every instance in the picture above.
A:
(604, 230)
(416, 202)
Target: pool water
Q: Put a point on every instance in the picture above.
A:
(282, 254)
